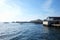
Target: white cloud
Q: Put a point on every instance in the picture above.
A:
(1, 1)
(46, 7)
(47, 4)
(9, 12)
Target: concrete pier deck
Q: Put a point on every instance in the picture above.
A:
(55, 24)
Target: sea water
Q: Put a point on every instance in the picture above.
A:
(28, 31)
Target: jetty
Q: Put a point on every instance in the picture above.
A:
(52, 21)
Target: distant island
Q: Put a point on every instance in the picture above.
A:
(37, 21)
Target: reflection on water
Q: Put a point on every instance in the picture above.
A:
(54, 33)
(28, 31)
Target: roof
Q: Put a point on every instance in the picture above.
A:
(54, 17)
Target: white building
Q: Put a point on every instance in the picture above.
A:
(51, 20)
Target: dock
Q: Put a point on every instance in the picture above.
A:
(56, 25)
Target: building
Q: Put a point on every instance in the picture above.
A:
(54, 21)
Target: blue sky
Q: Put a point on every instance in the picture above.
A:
(26, 10)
